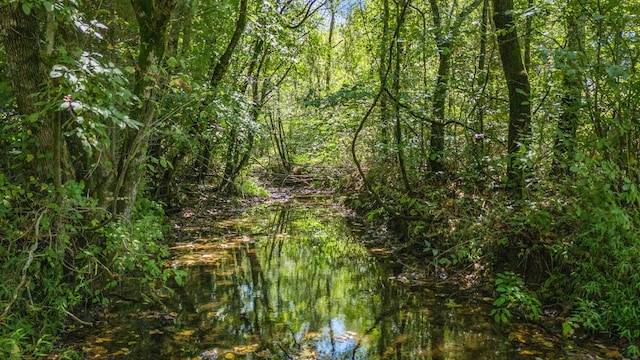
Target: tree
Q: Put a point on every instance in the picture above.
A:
(444, 38)
(517, 79)
(153, 20)
(571, 63)
(20, 36)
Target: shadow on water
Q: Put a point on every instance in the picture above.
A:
(291, 281)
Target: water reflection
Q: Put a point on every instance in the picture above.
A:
(291, 281)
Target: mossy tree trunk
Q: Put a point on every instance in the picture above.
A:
(519, 133)
(153, 21)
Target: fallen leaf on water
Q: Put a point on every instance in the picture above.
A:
(229, 356)
(95, 350)
(185, 333)
(613, 354)
(312, 335)
(155, 332)
(102, 340)
(519, 336)
(530, 352)
(264, 353)
(242, 350)
(548, 344)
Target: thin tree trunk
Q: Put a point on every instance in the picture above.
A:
(528, 26)
(483, 79)
(396, 90)
(436, 138)
(572, 85)
(517, 79)
(332, 24)
(223, 63)
(382, 75)
(153, 19)
(444, 41)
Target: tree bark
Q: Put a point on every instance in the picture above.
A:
(27, 73)
(396, 90)
(153, 20)
(444, 41)
(382, 75)
(223, 64)
(436, 139)
(572, 84)
(519, 89)
(219, 70)
(332, 24)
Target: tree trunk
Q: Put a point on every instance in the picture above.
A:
(519, 89)
(483, 80)
(444, 38)
(382, 75)
(436, 139)
(220, 69)
(439, 104)
(153, 20)
(396, 90)
(572, 84)
(27, 73)
(238, 153)
(332, 24)
(223, 63)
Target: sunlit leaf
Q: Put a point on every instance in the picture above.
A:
(26, 8)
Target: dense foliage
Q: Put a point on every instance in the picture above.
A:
(497, 134)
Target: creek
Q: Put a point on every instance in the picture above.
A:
(292, 280)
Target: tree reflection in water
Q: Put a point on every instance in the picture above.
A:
(291, 280)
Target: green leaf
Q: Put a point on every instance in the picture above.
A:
(26, 8)
(48, 6)
(567, 329)
(499, 301)
(614, 71)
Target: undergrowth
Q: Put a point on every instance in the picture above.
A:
(573, 245)
(55, 267)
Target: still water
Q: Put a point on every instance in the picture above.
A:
(292, 281)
